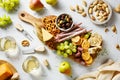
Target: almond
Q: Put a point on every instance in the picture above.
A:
(105, 5)
(101, 2)
(46, 63)
(93, 18)
(91, 6)
(99, 17)
(80, 12)
(84, 14)
(97, 13)
(95, 8)
(90, 10)
(102, 19)
(84, 3)
(72, 8)
(118, 46)
(117, 9)
(81, 8)
(77, 7)
(114, 29)
(95, 2)
(106, 29)
(107, 10)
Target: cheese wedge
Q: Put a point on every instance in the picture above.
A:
(5, 72)
(46, 35)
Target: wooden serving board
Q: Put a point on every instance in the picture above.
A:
(10, 65)
(38, 23)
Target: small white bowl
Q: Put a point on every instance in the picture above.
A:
(62, 28)
(98, 22)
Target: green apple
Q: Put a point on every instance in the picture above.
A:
(51, 2)
(65, 68)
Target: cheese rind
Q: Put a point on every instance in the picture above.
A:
(5, 72)
(46, 35)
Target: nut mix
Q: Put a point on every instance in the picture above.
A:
(64, 21)
(99, 11)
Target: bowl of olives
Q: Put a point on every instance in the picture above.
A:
(64, 22)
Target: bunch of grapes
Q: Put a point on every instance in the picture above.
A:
(4, 21)
(9, 5)
(66, 48)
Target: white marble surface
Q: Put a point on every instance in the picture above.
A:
(110, 39)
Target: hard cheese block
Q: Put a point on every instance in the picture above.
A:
(5, 72)
(46, 35)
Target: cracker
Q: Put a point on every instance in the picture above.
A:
(50, 25)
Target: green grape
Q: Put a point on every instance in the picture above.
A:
(65, 55)
(74, 50)
(9, 5)
(4, 21)
(62, 52)
(59, 52)
(66, 46)
(62, 48)
(58, 47)
(2, 24)
(70, 44)
(7, 8)
(68, 51)
(61, 44)
(12, 4)
(74, 46)
(66, 43)
(87, 35)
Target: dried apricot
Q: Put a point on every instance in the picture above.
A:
(86, 56)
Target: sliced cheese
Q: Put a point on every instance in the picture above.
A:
(46, 35)
(5, 72)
